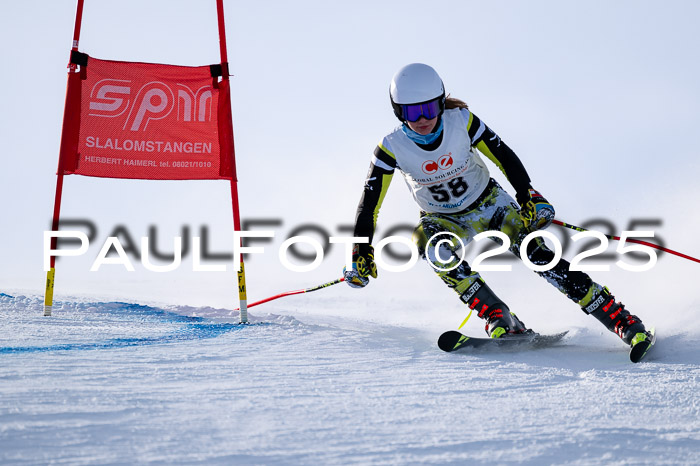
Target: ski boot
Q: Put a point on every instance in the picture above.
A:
(499, 320)
(618, 320)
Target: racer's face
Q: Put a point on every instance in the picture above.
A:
(423, 126)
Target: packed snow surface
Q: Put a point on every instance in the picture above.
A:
(118, 383)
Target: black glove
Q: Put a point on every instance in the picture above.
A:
(536, 212)
(363, 266)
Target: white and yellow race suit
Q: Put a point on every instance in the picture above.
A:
(451, 183)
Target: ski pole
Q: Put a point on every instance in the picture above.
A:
(631, 240)
(289, 293)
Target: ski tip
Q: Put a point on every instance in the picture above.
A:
(449, 341)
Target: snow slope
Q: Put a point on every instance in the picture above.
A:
(117, 383)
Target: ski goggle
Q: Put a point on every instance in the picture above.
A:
(429, 110)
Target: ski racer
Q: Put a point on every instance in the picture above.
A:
(436, 148)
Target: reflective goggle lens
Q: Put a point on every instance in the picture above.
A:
(412, 112)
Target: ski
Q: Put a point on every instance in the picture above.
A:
(641, 348)
(453, 340)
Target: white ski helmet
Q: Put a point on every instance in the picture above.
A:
(413, 84)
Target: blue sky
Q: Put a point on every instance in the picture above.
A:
(599, 99)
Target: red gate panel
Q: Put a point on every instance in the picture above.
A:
(148, 121)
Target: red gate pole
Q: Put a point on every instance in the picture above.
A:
(242, 294)
(72, 69)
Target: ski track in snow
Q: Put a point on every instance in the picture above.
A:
(121, 383)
